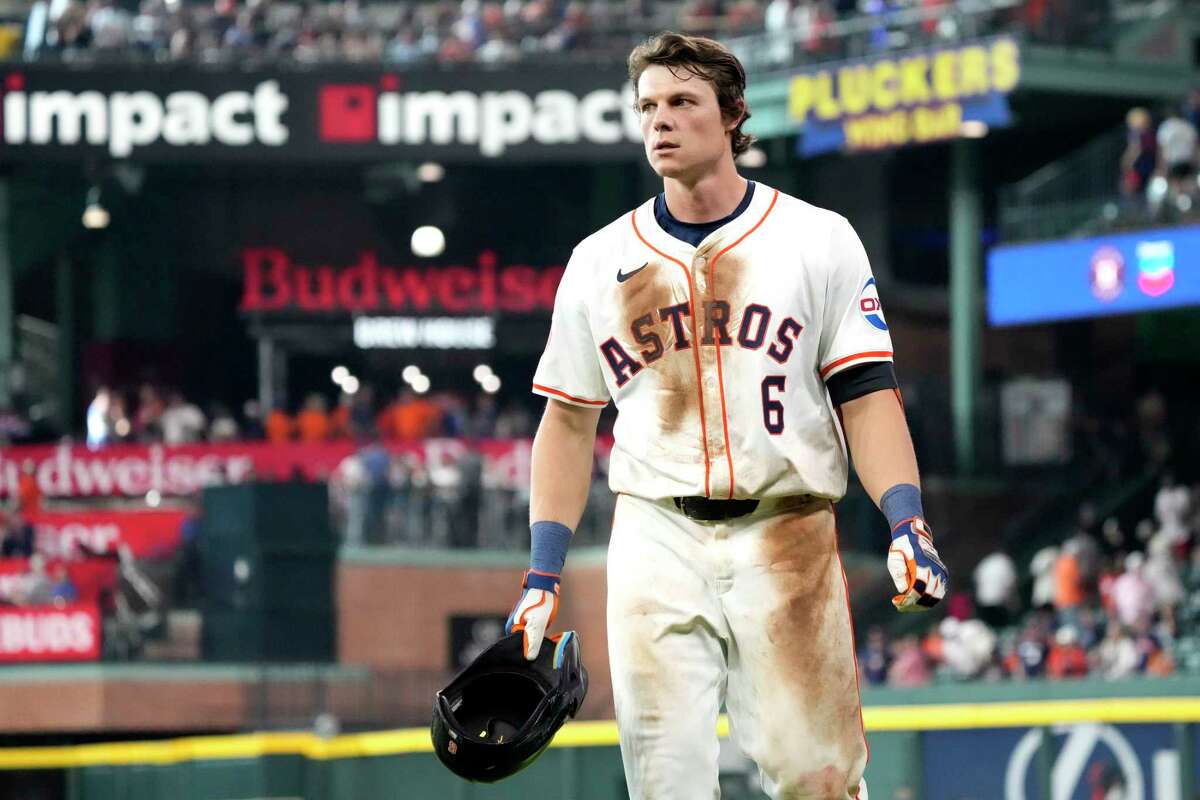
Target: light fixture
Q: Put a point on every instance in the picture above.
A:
(350, 385)
(428, 241)
(481, 372)
(95, 216)
(973, 129)
(410, 373)
(754, 158)
(339, 374)
(490, 384)
(420, 384)
(430, 172)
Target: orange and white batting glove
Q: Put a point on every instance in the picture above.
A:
(918, 572)
(536, 609)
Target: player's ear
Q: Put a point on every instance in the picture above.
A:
(734, 120)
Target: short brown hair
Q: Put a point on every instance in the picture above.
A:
(704, 58)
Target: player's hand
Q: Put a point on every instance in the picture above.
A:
(536, 609)
(919, 574)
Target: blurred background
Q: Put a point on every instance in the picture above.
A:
(275, 276)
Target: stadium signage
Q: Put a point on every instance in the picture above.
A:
(122, 121)
(69, 633)
(65, 471)
(1125, 273)
(273, 282)
(338, 114)
(913, 98)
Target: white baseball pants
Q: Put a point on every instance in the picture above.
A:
(752, 612)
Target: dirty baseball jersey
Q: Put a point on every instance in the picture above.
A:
(716, 356)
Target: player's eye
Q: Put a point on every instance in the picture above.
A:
(647, 108)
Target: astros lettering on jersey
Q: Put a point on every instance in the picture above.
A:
(716, 356)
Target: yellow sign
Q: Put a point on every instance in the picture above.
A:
(903, 99)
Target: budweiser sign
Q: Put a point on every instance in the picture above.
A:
(148, 534)
(70, 633)
(273, 282)
(133, 470)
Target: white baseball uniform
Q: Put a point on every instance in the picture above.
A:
(716, 357)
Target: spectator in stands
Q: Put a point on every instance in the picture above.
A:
(16, 536)
(1067, 658)
(411, 417)
(481, 424)
(909, 667)
(967, 647)
(37, 589)
(313, 423)
(1191, 108)
(279, 426)
(1042, 570)
(252, 421)
(147, 421)
(14, 427)
(1028, 657)
(182, 421)
(366, 477)
(1068, 585)
(1172, 504)
(1177, 141)
(62, 588)
(1112, 538)
(223, 427)
(875, 659)
(99, 419)
(362, 414)
(1140, 156)
(1162, 575)
(1133, 596)
(1117, 656)
(29, 491)
(996, 588)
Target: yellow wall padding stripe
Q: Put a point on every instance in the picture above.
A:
(589, 734)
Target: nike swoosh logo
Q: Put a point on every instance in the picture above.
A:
(624, 276)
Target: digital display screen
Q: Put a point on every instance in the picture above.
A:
(1122, 274)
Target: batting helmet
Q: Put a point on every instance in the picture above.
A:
(501, 712)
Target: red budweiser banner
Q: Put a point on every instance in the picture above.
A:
(69, 633)
(91, 577)
(273, 282)
(133, 470)
(148, 534)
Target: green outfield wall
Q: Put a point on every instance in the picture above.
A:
(1013, 741)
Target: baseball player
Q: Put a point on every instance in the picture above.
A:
(739, 332)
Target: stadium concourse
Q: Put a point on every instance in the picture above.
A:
(275, 278)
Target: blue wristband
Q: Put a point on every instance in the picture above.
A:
(901, 502)
(548, 546)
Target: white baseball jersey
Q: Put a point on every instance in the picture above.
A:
(716, 356)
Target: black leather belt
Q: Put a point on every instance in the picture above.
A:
(706, 509)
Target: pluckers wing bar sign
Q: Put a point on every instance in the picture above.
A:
(905, 99)
(276, 283)
(336, 114)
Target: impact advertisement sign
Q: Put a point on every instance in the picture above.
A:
(910, 98)
(1122, 274)
(335, 115)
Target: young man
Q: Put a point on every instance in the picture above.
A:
(739, 332)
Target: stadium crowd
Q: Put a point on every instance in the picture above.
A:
(1159, 163)
(495, 31)
(158, 416)
(1111, 599)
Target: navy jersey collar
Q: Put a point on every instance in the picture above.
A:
(695, 232)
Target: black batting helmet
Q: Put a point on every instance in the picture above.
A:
(501, 712)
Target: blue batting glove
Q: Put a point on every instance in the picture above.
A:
(918, 572)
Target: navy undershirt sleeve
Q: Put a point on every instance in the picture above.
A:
(857, 381)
